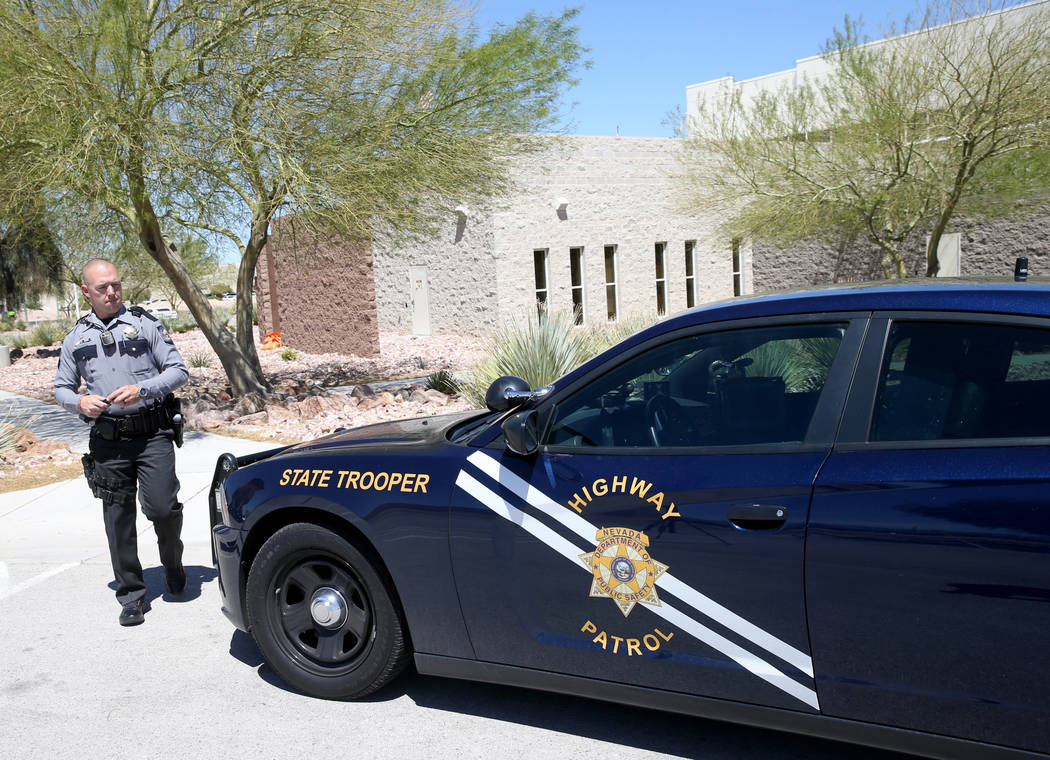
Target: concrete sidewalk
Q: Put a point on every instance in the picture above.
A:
(61, 523)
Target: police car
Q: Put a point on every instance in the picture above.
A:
(822, 512)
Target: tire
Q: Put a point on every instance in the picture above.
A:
(323, 615)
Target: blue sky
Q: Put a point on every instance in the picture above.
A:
(645, 52)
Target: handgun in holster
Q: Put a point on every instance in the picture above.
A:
(88, 463)
(173, 407)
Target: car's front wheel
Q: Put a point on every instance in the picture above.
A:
(323, 615)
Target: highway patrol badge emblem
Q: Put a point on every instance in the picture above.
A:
(623, 569)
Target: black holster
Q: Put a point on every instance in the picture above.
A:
(173, 409)
(88, 463)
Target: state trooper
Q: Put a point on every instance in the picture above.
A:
(130, 367)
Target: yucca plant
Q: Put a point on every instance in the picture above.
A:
(803, 364)
(198, 359)
(539, 350)
(443, 381)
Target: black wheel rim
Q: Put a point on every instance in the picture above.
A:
(322, 649)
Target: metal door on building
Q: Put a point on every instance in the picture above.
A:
(420, 300)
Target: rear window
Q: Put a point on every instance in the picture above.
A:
(947, 380)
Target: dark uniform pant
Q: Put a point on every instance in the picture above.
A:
(147, 461)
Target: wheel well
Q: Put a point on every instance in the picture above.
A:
(280, 518)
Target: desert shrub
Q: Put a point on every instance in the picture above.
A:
(542, 349)
(17, 340)
(289, 354)
(539, 351)
(182, 324)
(46, 333)
(443, 381)
(199, 359)
(10, 432)
(223, 314)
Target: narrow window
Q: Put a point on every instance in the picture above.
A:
(576, 278)
(610, 283)
(737, 277)
(661, 280)
(690, 278)
(539, 259)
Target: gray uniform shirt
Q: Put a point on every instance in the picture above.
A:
(142, 354)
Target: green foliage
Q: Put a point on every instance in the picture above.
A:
(896, 139)
(540, 351)
(181, 324)
(30, 262)
(443, 381)
(369, 119)
(803, 364)
(289, 354)
(47, 333)
(198, 359)
(16, 340)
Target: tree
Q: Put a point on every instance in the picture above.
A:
(200, 262)
(899, 135)
(362, 118)
(30, 262)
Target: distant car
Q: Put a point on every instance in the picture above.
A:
(229, 297)
(162, 312)
(823, 512)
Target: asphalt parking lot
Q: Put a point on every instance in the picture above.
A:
(186, 684)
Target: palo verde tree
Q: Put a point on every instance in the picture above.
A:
(900, 135)
(362, 118)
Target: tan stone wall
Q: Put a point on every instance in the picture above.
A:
(988, 248)
(325, 292)
(618, 191)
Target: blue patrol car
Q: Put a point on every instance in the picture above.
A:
(822, 512)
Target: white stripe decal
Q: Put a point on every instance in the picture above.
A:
(570, 551)
(686, 593)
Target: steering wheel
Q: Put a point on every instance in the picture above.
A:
(665, 420)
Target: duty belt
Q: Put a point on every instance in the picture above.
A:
(143, 422)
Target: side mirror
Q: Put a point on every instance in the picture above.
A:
(506, 392)
(521, 433)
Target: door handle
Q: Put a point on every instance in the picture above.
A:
(757, 516)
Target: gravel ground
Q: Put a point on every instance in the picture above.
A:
(401, 356)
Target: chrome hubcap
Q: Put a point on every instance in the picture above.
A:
(328, 608)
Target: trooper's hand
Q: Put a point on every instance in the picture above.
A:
(92, 406)
(125, 395)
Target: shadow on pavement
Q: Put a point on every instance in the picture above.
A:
(636, 727)
(196, 577)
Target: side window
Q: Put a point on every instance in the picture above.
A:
(728, 388)
(944, 380)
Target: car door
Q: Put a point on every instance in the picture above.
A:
(928, 556)
(657, 537)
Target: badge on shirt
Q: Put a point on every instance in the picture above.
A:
(131, 332)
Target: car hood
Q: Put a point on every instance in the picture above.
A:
(384, 436)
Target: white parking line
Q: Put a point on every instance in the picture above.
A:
(36, 579)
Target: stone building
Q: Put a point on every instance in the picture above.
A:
(591, 226)
(317, 291)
